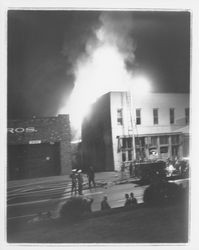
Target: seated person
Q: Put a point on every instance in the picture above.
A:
(133, 200)
(104, 204)
(127, 201)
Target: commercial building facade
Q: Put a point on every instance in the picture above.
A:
(39, 147)
(123, 128)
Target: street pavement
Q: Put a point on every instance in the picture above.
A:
(26, 198)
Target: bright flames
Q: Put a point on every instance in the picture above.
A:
(101, 72)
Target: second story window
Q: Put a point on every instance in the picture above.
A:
(172, 116)
(119, 117)
(187, 115)
(155, 116)
(138, 116)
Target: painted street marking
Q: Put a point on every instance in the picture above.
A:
(21, 216)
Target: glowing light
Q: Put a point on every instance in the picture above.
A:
(102, 72)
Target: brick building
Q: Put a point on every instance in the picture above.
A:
(39, 147)
(122, 128)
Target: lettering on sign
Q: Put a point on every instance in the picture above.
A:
(22, 130)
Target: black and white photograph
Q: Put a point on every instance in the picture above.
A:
(98, 126)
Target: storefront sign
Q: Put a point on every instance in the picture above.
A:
(22, 130)
(35, 142)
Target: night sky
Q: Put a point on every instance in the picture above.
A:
(43, 47)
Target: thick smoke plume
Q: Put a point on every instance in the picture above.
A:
(117, 29)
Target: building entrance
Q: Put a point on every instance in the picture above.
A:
(32, 161)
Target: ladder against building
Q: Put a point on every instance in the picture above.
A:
(131, 121)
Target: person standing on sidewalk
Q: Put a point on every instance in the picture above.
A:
(80, 181)
(130, 169)
(91, 177)
(73, 177)
(122, 171)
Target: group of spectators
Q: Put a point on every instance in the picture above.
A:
(130, 201)
(77, 188)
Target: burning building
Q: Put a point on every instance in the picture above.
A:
(122, 128)
(39, 147)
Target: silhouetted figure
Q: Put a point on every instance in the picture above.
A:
(131, 169)
(91, 177)
(87, 204)
(80, 181)
(104, 204)
(73, 177)
(133, 200)
(122, 170)
(127, 201)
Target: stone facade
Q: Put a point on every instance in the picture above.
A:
(44, 131)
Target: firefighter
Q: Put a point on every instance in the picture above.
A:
(80, 181)
(73, 177)
(91, 177)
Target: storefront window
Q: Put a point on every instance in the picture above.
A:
(154, 140)
(163, 150)
(175, 139)
(164, 140)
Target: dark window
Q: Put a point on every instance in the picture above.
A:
(155, 116)
(119, 117)
(187, 115)
(138, 116)
(175, 139)
(164, 140)
(127, 142)
(129, 155)
(154, 140)
(140, 141)
(123, 156)
(172, 116)
(163, 149)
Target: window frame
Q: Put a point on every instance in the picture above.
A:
(155, 116)
(138, 116)
(120, 116)
(172, 115)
